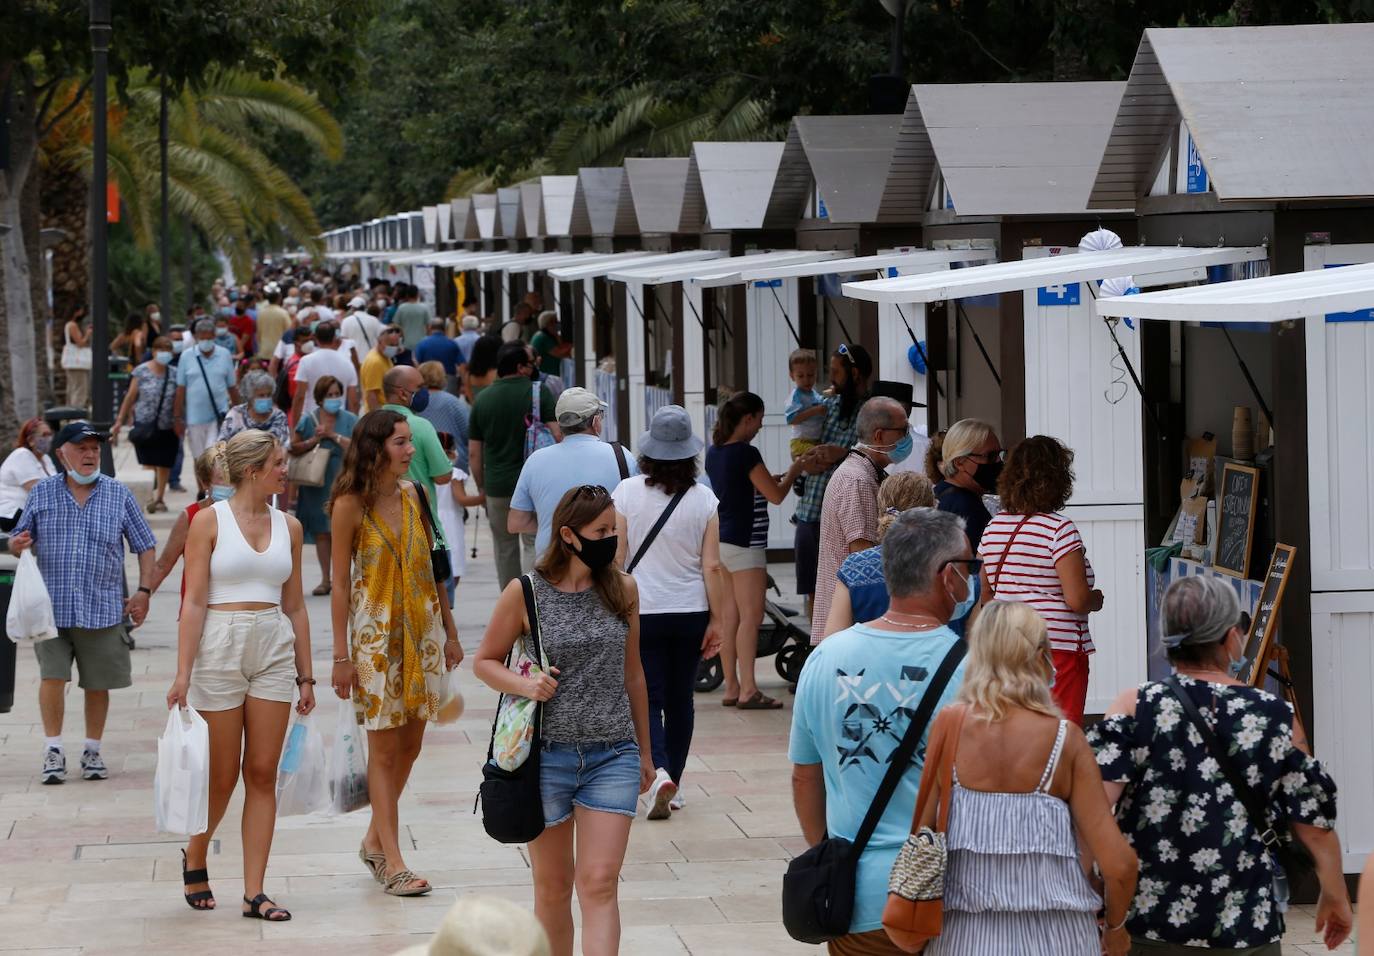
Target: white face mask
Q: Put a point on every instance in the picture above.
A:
(307, 348)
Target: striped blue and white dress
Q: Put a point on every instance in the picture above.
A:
(1014, 883)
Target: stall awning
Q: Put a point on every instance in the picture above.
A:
(598, 269)
(659, 273)
(849, 264)
(556, 260)
(461, 259)
(519, 262)
(1150, 265)
(1278, 298)
(412, 258)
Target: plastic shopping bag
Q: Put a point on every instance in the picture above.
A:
(450, 699)
(302, 777)
(181, 784)
(30, 614)
(349, 770)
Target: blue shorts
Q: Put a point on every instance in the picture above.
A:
(594, 776)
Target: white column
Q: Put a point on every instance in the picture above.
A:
(632, 363)
(693, 359)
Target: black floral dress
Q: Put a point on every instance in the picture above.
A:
(1205, 877)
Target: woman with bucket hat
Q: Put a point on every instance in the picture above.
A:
(670, 542)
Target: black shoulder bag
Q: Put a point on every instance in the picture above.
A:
(512, 808)
(620, 461)
(438, 557)
(653, 532)
(205, 378)
(1289, 854)
(818, 889)
(147, 431)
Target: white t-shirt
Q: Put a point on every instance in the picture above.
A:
(361, 329)
(451, 517)
(21, 466)
(1026, 571)
(317, 365)
(669, 575)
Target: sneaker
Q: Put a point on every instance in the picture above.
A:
(54, 766)
(660, 793)
(678, 802)
(92, 767)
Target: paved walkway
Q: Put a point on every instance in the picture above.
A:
(83, 871)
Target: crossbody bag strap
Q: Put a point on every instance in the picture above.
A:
(1006, 553)
(427, 517)
(161, 398)
(205, 378)
(532, 613)
(901, 757)
(653, 532)
(620, 461)
(1255, 807)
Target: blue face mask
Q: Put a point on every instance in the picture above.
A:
(81, 479)
(163, 358)
(1050, 661)
(961, 608)
(262, 405)
(221, 492)
(419, 401)
(902, 450)
(206, 345)
(333, 405)
(1238, 666)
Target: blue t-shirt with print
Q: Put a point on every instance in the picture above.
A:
(856, 695)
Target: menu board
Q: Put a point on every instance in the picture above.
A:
(1259, 642)
(1236, 500)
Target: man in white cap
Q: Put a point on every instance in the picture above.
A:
(582, 458)
(359, 327)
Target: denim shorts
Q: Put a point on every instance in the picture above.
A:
(594, 776)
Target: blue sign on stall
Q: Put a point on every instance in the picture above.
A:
(1197, 173)
(821, 211)
(768, 284)
(1359, 315)
(1061, 294)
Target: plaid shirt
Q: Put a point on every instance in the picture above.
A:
(836, 431)
(79, 550)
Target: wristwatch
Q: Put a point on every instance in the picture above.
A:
(146, 590)
(305, 680)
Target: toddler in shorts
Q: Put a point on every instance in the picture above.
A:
(805, 411)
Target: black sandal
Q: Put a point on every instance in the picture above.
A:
(198, 899)
(257, 912)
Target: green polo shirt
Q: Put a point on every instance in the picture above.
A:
(430, 461)
(498, 422)
(543, 343)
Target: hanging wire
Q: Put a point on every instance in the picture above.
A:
(1118, 375)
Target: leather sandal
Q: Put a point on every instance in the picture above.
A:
(758, 702)
(375, 863)
(197, 901)
(398, 884)
(270, 915)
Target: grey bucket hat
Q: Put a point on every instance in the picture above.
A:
(670, 437)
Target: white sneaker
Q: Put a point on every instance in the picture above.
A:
(660, 793)
(678, 802)
(54, 766)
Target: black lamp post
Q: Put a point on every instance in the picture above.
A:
(102, 399)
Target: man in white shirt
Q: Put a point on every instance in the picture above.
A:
(327, 359)
(360, 328)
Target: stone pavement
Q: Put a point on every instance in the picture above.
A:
(83, 871)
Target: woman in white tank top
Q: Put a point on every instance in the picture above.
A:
(243, 651)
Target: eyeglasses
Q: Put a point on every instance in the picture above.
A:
(987, 457)
(974, 564)
(593, 491)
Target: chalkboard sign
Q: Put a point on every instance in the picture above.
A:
(1235, 519)
(1259, 643)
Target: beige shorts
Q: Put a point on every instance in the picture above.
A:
(243, 654)
(736, 558)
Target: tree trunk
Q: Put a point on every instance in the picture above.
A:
(66, 206)
(14, 261)
(31, 214)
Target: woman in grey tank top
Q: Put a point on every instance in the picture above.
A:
(594, 739)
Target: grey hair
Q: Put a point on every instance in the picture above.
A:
(254, 380)
(876, 413)
(203, 325)
(581, 427)
(963, 439)
(471, 323)
(1198, 610)
(917, 544)
(545, 317)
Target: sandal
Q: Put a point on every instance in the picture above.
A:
(200, 899)
(398, 884)
(375, 862)
(759, 702)
(273, 914)
(729, 701)
(321, 590)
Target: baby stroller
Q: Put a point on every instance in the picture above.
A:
(778, 636)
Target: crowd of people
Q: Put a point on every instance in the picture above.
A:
(357, 425)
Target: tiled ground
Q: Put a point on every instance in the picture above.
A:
(83, 871)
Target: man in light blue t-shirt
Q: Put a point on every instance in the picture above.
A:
(857, 694)
(581, 458)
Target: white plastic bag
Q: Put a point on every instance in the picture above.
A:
(450, 699)
(302, 777)
(30, 614)
(348, 771)
(181, 784)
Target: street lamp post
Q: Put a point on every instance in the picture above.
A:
(102, 400)
(165, 247)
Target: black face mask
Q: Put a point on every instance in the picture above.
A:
(597, 553)
(534, 373)
(986, 475)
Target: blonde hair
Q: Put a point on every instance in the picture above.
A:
(906, 489)
(1008, 647)
(246, 451)
(205, 464)
(962, 439)
(801, 357)
(432, 373)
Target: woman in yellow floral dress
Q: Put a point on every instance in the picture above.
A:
(393, 636)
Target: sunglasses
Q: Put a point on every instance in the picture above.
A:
(974, 564)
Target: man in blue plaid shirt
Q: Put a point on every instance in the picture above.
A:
(851, 367)
(77, 523)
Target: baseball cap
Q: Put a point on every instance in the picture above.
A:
(357, 302)
(75, 432)
(576, 405)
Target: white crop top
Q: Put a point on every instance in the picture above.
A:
(237, 572)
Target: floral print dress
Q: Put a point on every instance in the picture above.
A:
(395, 624)
(1205, 878)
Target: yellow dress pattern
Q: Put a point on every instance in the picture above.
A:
(395, 624)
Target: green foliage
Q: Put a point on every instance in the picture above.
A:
(135, 272)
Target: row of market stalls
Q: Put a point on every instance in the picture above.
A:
(1146, 270)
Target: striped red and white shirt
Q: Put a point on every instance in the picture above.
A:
(1027, 573)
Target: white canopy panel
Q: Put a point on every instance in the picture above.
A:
(722, 275)
(1180, 263)
(604, 268)
(558, 259)
(659, 273)
(521, 261)
(848, 264)
(1277, 298)
(463, 258)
